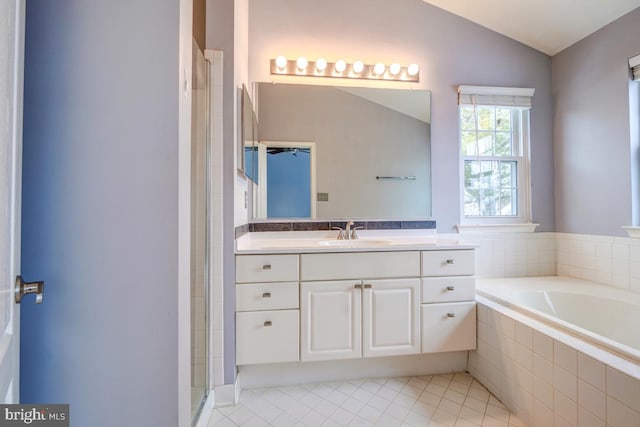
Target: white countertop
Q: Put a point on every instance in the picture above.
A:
(368, 241)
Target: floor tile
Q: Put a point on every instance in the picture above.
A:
(450, 400)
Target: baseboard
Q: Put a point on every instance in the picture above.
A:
(280, 374)
(227, 394)
(207, 409)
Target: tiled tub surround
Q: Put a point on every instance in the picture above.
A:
(608, 260)
(550, 377)
(613, 261)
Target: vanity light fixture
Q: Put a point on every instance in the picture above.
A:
(302, 63)
(281, 63)
(321, 65)
(342, 69)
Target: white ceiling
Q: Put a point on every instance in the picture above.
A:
(546, 25)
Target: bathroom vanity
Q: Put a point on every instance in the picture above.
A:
(313, 298)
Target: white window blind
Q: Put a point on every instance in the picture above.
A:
(514, 97)
(634, 63)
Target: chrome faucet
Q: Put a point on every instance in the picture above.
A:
(349, 232)
(347, 229)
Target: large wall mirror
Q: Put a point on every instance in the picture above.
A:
(342, 152)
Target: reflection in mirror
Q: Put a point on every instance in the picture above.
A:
(340, 152)
(248, 148)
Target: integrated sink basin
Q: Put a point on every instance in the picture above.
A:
(355, 243)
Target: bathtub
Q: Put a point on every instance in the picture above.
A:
(559, 351)
(605, 316)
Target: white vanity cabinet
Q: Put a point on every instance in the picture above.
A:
(267, 309)
(350, 305)
(448, 311)
(373, 313)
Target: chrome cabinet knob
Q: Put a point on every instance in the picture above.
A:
(451, 261)
(23, 288)
(451, 288)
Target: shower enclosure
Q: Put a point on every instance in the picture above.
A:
(200, 232)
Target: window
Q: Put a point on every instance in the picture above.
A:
(494, 143)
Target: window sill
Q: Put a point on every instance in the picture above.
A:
(497, 228)
(633, 231)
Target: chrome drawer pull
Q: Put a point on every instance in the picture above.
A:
(451, 261)
(368, 286)
(268, 323)
(266, 295)
(451, 288)
(450, 315)
(266, 267)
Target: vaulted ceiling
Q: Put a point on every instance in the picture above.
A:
(546, 25)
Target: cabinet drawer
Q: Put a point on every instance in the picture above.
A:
(266, 268)
(359, 265)
(448, 263)
(267, 336)
(448, 327)
(448, 289)
(266, 296)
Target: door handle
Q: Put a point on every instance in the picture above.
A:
(23, 288)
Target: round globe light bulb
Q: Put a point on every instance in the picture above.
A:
(302, 63)
(379, 68)
(281, 62)
(413, 69)
(340, 66)
(394, 69)
(321, 64)
(358, 66)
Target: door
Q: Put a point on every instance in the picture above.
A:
(11, 68)
(287, 179)
(391, 310)
(330, 321)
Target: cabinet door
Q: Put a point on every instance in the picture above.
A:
(448, 327)
(267, 337)
(330, 320)
(391, 313)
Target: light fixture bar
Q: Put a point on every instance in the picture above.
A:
(322, 68)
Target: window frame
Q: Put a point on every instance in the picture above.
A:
(521, 133)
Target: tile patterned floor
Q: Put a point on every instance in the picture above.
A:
(451, 400)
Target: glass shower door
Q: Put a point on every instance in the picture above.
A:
(200, 213)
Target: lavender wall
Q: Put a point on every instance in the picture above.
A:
(450, 50)
(220, 35)
(591, 130)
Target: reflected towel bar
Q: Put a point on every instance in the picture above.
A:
(411, 178)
